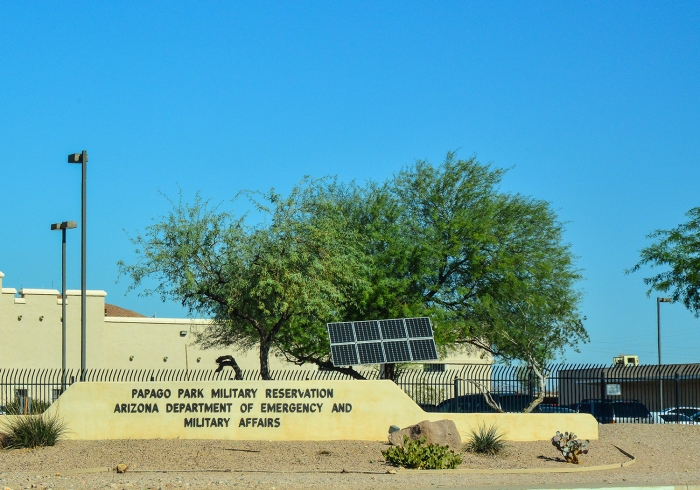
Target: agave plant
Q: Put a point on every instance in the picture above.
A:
(569, 446)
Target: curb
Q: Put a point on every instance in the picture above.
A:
(558, 487)
(567, 469)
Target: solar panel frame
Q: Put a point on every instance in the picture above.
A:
(341, 332)
(397, 351)
(382, 341)
(393, 329)
(419, 327)
(367, 331)
(371, 353)
(344, 355)
(423, 349)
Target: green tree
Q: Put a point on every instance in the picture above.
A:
(302, 264)
(678, 249)
(491, 269)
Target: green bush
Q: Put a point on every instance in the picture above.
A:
(30, 431)
(36, 407)
(486, 440)
(418, 454)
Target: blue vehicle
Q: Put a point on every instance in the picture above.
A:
(547, 408)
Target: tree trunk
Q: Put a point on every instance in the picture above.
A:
(345, 370)
(487, 395)
(542, 378)
(389, 372)
(265, 359)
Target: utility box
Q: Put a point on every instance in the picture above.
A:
(626, 360)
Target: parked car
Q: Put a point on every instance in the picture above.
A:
(674, 418)
(548, 408)
(476, 403)
(428, 407)
(616, 411)
(686, 415)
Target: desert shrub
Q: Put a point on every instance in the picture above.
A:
(30, 431)
(485, 440)
(15, 407)
(418, 454)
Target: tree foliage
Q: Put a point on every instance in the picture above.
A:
(490, 268)
(303, 262)
(679, 250)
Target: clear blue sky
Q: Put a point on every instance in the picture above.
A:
(594, 105)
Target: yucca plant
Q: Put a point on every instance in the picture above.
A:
(31, 431)
(485, 440)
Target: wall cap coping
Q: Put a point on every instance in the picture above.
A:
(20, 301)
(89, 292)
(157, 321)
(37, 292)
(1, 275)
(9, 291)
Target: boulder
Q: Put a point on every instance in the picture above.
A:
(442, 432)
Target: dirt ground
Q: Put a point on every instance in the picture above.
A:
(666, 454)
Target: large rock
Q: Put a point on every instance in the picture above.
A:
(442, 432)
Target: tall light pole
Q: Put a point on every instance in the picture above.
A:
(66, 225)
(82, 158)
(658, 333)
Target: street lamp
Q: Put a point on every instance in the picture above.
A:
(66, 225)
(82, 158)
(658, 333)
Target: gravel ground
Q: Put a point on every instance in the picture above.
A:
(666, 454)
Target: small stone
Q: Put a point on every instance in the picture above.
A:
(392, 472)
(121, 468)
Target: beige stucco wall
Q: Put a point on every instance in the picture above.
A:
(96, 411)
(30, 337)
(153, 340)
(30, 328)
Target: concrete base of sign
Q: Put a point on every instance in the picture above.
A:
(276, 411)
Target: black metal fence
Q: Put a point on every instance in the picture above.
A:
(631, 394)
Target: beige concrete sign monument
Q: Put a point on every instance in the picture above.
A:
(275, 410)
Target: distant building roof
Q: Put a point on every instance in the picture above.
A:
(649, 371)
(114, 310)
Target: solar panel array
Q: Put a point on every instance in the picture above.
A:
(382, 341)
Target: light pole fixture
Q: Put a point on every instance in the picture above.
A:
(66, 225)
(82, 158)
(658, 335)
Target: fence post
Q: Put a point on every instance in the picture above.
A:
(603, 386)
(677, 398)
(456, 401)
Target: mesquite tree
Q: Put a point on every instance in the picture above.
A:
(302, 263)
